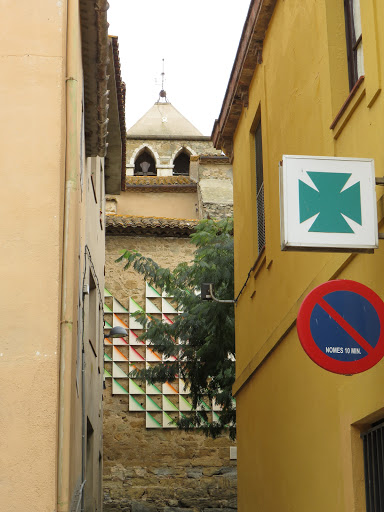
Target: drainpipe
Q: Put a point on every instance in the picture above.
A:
(69, 266)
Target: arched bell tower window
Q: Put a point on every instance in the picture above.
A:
(181, 165)
(145, 164)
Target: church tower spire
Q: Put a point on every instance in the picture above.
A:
(162, 95)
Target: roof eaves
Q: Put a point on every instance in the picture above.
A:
(121, 90)
(129, 225)
(170, 137)
(249, 54)
(94, 32)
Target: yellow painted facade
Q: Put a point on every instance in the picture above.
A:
(299, 446)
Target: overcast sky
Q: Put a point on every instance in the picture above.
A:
(198, 40)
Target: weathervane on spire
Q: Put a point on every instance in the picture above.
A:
(163, 94)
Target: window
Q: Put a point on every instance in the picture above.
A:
(145, 165)
(181, 165)
(373, 446)
(259, 190)
(354, 41)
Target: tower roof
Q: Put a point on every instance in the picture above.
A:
(163, 120)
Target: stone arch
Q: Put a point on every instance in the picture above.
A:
(181, 160)
(153, 160)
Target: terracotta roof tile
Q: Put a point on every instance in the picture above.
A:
(131, 225)
(165, 183)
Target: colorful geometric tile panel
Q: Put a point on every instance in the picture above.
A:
(163, 404)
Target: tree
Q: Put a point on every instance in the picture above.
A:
(205, 351)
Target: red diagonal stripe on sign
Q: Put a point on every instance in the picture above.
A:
(345, 325)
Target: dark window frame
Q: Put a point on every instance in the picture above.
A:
(352, 43)
(373, 449)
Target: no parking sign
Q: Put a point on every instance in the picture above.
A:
(341, 327)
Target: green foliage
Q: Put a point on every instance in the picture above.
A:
(205, 330)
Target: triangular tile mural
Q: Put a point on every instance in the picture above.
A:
(117, 355)
(184, 405)
(133, 338)
(150, 422)
(107, 309)
(168, 405)
(162, 403)
(134, 355)
(134, 306)
(118, 389)
(168, 389)
(117, 322)
(166, 307)
(134, 388)
(134, 323)
(203, 406)
(151, 292)
(120, 341)
(117, 307)
(151, 405)
(117, 372)
(134, 405)
(152, 389)
(150, 307)
(152, 356)
(166, 319)
(168, 422)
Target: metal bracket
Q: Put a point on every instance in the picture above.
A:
(380, 181)
(207, 294)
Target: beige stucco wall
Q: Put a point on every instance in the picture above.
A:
(36, 472)
(32, 166)
(157, 204)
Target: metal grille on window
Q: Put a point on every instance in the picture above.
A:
(259, 190)
(260, 219)
(373, 445)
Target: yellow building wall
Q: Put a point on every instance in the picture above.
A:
(298, 425)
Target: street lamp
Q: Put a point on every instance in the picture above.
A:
(116, 332)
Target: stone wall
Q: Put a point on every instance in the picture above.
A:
(215, 191)
(162, 470)
(165, 150)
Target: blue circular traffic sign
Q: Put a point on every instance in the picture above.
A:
(341, 326)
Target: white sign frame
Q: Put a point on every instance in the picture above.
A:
(296, 235)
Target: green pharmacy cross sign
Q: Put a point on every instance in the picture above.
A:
(328, 204)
